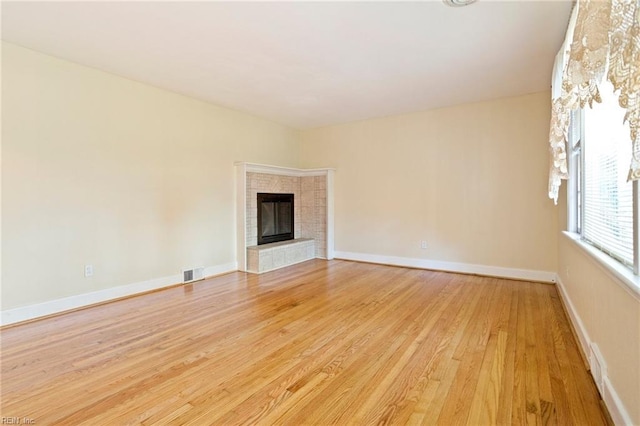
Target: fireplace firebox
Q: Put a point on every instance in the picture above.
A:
(275, 218)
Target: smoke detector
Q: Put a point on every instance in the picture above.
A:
(458, 3)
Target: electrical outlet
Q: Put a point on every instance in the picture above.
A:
(88, 270)
(567, 271)
(423, 244)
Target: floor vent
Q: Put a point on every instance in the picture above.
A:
(190, 275)
(598, 367)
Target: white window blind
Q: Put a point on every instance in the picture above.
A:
(607, 220)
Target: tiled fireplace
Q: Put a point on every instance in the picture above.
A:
(313, 215)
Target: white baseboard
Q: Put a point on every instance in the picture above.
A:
(578, 326)
(438, 265)
(210, 271)
(616, 408)
(25, 313)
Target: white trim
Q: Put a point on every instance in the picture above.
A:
(619, 273)
(465, 268)
(225, 268)
(330, 215)
(283, 171)
(241, 216)
(614, 405)
(636, 229)
(618, 413)
(578, 326)
(25, 313)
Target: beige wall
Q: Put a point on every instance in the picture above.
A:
(470, 180)
(609, 313)
(101, 170)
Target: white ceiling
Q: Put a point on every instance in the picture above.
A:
(306, 64)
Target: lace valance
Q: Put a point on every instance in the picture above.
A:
(603, 38)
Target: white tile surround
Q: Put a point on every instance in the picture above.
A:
(313, 213)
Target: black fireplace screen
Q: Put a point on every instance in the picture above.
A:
(275, 218)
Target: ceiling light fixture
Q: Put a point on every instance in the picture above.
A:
(458, 3)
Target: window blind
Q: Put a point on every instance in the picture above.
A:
(608, 197)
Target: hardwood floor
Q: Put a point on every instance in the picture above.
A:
(317, 343)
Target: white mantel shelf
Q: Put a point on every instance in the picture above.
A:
(283, 171)
(242, 168)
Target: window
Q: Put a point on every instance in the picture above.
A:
(601, 207)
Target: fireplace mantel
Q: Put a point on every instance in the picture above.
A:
(323, 203)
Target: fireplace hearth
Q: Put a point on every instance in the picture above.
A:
(275, 218)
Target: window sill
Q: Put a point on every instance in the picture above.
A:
(621, 274)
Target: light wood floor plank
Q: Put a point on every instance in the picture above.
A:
(322, 342)
(506, 392)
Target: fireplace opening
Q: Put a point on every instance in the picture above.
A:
(275, 218)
